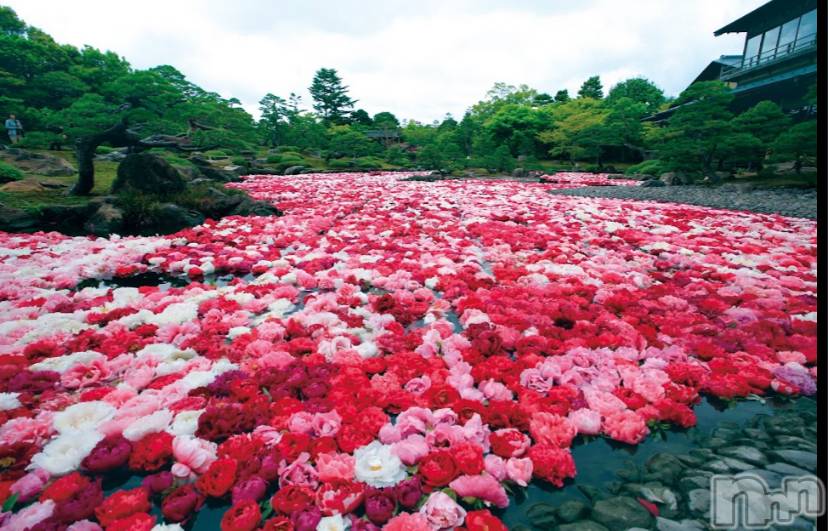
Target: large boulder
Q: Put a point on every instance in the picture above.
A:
(171, 218)
(107, 219)
(620, 513)
(16, 220)
(674, 178)
(519, 172)
(294, 170)
(147, 173)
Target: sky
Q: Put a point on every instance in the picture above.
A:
(416, 58)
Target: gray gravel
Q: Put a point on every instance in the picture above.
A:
(794, 202)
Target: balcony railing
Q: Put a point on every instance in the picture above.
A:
(801, 45)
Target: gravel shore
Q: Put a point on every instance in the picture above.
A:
(794, 202)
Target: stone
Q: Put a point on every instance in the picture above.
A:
(294, 170)
(591, 492)
(773, 479)
(252, 207)
(572, 510)
(737, 465)
(688, 483)
(744, 453)
(689, 460)
(542, 515)
(148, 173)
(664, 467)
(787, 470)
(68, 219)
(629, 472)
(172, 218)
(37, 163)
(807, 460)
(652, 183)
(718, 466)
(673, 178)
(106, 220)
(621, 513)
(23, 186)
(664, 524)
(112, 156)
(519, 172)
(698, 501)
(16, 220)
(582, 525)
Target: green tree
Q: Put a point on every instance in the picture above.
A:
(386, 120)
(639, 90)
(517, 126)
(275, 118)
(543, 99)
(578, 131)
(350, 142)
(695, 134)
(330, 96)
(765, 121)
(562, 96)
(361, 117)
(592, 88)
(797, 143)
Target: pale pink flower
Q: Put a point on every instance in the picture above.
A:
(442, 512)
(483, 486)
(334, 466)
(519, 470)
(495, 465)
(586, 421)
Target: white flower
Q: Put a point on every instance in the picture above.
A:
(82, 417)
(167, 527)
(177, 313)
(333, 523)
(186, 422)
(377, 466)
(9, 401)
(64, 453)
(153, 423)
(367, 349)
(62, 364)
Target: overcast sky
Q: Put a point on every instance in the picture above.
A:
(416, 58)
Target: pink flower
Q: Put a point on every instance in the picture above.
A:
(495, 466)
(418, 385)
(389, 434)
(411, 450)
(493, 390)
(519, 470)
(552, 429)
(299, 473)
(603, 402)
(408, 522)
(483, 486)
(626, 426)
(331, 467)
(326, 424)
(30, 485)
(192, 455)
(586, 421)
(81, 376)
(442, 512)
(301, 422)
(31, 515)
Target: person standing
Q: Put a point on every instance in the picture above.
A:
(14, 128)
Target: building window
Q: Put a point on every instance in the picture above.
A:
(769, 44)
(752, 50)
(807, 29)
(788, 35)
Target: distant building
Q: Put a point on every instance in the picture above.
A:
(778, 61)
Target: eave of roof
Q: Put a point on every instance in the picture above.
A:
(750, 20)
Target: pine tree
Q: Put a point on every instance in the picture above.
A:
(592, 88)
(330, 96)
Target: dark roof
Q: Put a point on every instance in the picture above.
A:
(714, 69)
(767, 16)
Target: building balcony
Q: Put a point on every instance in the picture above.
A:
(775, 56)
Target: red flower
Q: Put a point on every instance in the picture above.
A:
(438, 468)
(484, 520)
(152, 452)
(552, 464)
(280, 523)
(181, 504)
(351, 436)
(339, 497)
(469, 458)
(293, 444)
(121, 504)
(133, 522)
(64, 488)
(292, 498)
(243, 516)
(219, 478)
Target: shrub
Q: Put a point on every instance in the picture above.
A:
(273, 159)
(9, 172)
(368, 163)
(103, 150)
(215, 154)
(340, 164)
(38, 140)
(648, 167)
(284, 149)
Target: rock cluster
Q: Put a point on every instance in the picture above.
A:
(677, 485)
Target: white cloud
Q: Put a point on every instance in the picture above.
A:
(416, 59)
